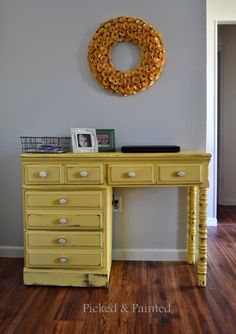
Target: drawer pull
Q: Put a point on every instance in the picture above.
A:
(131, 174)
(83, 173)
(62, 221)
(61, 241)
(62, 201)
(63, 260)
(43, 174)
(181, 173)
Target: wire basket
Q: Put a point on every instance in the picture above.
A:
(45, 144)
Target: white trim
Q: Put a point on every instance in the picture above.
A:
(211, 136)
(215, 138)
(11, 251)
(149, 254)
(136, 254)
(212, 221)
(133, 254)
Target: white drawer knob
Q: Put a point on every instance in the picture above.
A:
(62, 201)
(181, 173)
(83, 173)
(63, 260)
(131, 174)
(61, 241)
(62, 221)
(43, 173)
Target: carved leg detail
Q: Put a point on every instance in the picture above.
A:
(192, 213)
(202, 237)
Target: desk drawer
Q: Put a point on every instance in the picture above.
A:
(64, 258)
(131, 174)
(79, 199)
(61, 239)
(43, 174)
(179, 173)
(84, 174)
(64, 220)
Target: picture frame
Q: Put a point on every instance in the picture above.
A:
(84, 140)
(106, 140)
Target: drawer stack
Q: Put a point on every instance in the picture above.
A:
(67, 225)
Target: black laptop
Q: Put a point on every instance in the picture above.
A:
(150, 148)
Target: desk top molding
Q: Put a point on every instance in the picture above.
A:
(188, 155)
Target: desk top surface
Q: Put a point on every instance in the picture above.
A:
(119, 155)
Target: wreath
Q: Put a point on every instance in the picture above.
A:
(126, 29)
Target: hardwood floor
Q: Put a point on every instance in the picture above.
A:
(188, 309)
(226, 214)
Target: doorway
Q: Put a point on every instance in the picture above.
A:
(226, 117)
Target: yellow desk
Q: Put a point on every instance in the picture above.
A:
(68, 209)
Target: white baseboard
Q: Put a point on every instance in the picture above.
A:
(11, 251)
(135, 254)
(211, 221)
(149, 254)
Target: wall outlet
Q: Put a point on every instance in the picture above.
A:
(117, 204)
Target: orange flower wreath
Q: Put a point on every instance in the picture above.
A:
(126, 29)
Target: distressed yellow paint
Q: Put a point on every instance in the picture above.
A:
(63, 199)
(94, 173)
(51, 258)
(65, 278)
(122, 173)
(50, 219)
(202, 237)
(84, 182)
(192, 216)
(193, 173)
(54, 174)
(64, 239)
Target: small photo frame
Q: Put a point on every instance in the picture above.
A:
(106, 140)
(84, 140)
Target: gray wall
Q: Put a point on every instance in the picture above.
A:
(46, 88)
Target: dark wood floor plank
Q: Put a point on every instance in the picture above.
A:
(135, 289)
(8, 281)
(43, 305)
(72, 307)
(226, 214)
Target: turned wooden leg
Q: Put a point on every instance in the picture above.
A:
(192, 214)
(202, 237)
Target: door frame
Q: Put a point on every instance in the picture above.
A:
(212, 110)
